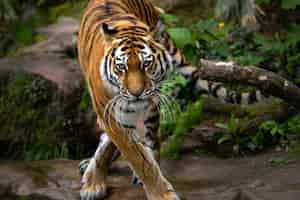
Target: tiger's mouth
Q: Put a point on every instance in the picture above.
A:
(142, 96)
(145, 94)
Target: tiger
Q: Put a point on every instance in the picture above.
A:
(125, 54)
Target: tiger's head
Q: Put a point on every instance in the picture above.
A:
(134, 64)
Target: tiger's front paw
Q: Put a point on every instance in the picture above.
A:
(93, 192)
(83, 166)
(136, 181)
(93, 182)
(171, 195)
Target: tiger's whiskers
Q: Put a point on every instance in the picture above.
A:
(166, 107)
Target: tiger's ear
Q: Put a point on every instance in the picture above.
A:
(108, 31)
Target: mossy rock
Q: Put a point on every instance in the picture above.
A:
(40, 121)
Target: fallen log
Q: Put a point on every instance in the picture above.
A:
(266, 81)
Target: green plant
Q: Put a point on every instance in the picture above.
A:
(7, 9)
(282, 50)
(289, 4)
(18, 27)
(85, 100)
(233, 132)
(68, 8)
(222, 40)
(184, 121)
(271, 127)
(45, 151)
(26, 119)
(175, 80)
(268, 133)
(285, 4)
(292, 126)
(227, 41)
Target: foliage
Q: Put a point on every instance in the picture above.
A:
(19, 20)
(25, 119)
(69, 8)
(219, 40)
(45, 151)
(292, 126)
(232, 130)
(19, 33)
(283, 51)
(289, 4)
(285, 4)
(85, 99)
(184, 121)
(211, 39)
(174, 81)
(268, 133)
(7, 10)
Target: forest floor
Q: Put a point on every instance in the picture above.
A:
(268, 176)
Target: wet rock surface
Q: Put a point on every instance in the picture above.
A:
(194, 177)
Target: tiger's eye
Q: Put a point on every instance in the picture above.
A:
(121, 67)
(147, 63)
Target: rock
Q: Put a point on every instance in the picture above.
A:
(256, 184)
(61, 104)
(63, 72)
(203, 137)
(194, 177)
(52, 179)
(64, 25)
(52, 58)
(61, 37)
(199, 137)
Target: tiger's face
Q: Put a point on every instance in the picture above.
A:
(135, 66)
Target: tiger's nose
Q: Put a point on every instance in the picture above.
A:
(136, 83)
(137, 92)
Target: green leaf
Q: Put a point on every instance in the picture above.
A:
(182, 36)
(274, 131)
(9, 9)
(289, 4)
(263, 1)
(223, 139)
(222, 126)
(169, 18)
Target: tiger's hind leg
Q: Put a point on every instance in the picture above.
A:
(94, 170)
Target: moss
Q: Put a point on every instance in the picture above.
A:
(25, 117)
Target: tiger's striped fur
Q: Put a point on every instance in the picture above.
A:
(125, 54)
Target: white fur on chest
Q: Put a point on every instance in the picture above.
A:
(129, 112)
